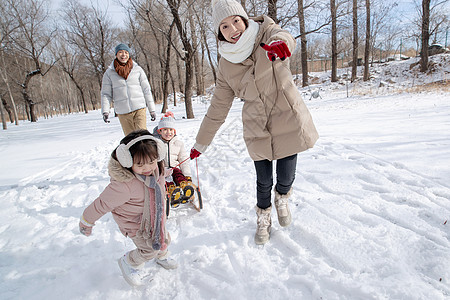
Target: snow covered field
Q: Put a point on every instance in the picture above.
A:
(370, 207)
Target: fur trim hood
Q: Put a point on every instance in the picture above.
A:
(119, 173)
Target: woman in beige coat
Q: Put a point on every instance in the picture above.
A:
(277, 124)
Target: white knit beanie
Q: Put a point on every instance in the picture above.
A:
(166, 122)
(222, 9)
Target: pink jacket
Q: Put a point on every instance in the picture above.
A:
(123, 197)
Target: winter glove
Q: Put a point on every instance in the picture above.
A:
(153, 115)
(194, 153)
(85, 227)
(105, 117)
(276, 48)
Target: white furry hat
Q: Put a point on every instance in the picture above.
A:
(222, 9)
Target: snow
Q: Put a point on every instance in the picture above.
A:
(370, 204)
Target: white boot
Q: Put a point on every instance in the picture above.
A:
(281, 204)
(167, 263)
(263, 223)
(131, 274)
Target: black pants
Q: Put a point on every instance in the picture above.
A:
(285, 170)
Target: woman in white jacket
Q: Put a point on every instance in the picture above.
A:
(125, 84)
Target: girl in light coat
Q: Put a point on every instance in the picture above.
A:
(276, 122)
(136, 199)
(126, 84)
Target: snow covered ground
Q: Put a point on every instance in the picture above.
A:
(370, 206)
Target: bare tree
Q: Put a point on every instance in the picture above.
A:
(71, 63)
(323, 20)
(188, 51)
(166, 73)
(195, 46)
(432, 17)
(367, 44)
(425, 35)
(303, 43)
(31, 40)
(4, 125)
(91, 32)
(334, 52)
(7, 26)
(439, 21)
(4, 74)
(201, 20)
(383, 28)
(355, 40)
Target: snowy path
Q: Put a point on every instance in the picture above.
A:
(370, 209)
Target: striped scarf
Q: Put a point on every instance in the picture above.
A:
(154, 216)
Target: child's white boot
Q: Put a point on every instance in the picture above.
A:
(263, 225)
(131, 274)
(167, 263)
(283, 212)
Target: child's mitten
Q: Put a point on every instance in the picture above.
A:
(85, 227)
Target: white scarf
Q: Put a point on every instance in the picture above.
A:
(241, 50)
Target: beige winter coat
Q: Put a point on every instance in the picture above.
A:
(123, 197)
(275, 119)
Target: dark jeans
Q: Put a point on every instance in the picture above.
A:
(285, 170)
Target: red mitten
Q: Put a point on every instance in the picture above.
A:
(276, 49)
(194, 153)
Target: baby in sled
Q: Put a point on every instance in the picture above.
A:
(180, 188)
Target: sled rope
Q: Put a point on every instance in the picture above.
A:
(180, 163)
(196, 168)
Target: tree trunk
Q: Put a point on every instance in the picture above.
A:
(202, 68)
(211, 64)
(83, 98)
(425, 35)
(79, 87)
(26, 96)
(333, 41)
(272, 10)
(198, 69)
(355, 40)
(13, 103)
(165, 82)
(180, 78)
(303, 42)
(69, 95)
(8, 110)
(188, 88)
(173, 87)
(188, 58)
(5, 126)
(92, 97)
(367, 45)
